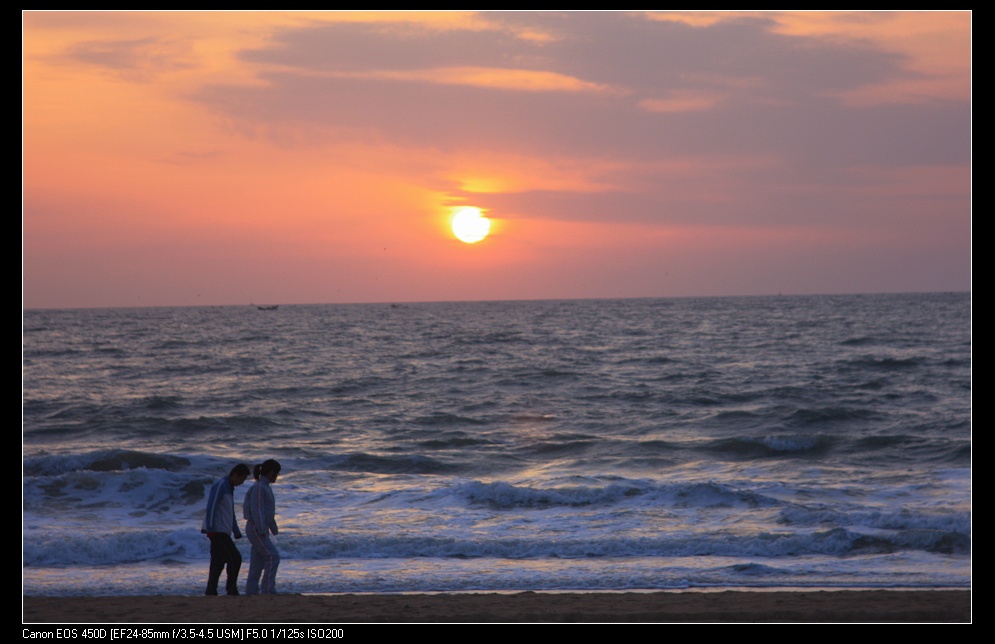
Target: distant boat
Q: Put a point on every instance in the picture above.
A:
(271, 307)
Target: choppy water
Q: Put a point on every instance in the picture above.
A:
(653, 443)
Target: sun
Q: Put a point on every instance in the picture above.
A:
(470, 225)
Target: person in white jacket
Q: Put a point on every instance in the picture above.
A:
(259, 511)
(219, 524)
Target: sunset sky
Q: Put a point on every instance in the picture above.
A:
(228, 158)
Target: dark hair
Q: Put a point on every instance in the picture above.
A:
(264, 467)
(239, 470)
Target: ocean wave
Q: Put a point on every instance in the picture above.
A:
(120, 547)
(102, 461)
(502, 495)
(110, 547)
(407, 464)
(772, 446)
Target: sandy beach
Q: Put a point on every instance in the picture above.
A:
(724, 606)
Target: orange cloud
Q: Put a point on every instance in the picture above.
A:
(682, 101)
(936, 46)
(486, 77)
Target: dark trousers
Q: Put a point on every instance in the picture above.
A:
(223, 552)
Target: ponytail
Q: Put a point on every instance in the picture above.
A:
(266, 467)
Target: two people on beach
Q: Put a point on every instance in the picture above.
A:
(259, 512)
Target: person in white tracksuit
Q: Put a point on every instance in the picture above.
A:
(259, 511)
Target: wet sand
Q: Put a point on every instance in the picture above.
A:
(724, 606)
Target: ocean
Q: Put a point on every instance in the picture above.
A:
(739, 442)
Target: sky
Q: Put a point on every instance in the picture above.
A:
(215, 158)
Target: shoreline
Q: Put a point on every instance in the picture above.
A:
(706, 605)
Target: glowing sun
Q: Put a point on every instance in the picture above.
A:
(470, 225)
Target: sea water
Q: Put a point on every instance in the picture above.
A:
(799, 441)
